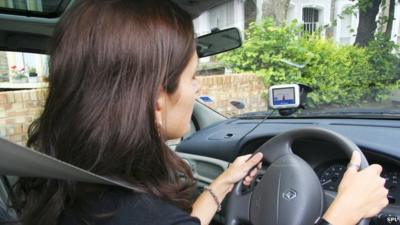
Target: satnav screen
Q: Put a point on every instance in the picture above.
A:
(283, 96)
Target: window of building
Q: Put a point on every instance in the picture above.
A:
(310, 19)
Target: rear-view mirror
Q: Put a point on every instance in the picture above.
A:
(218, 42)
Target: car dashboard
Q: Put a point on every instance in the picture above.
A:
(379, 140)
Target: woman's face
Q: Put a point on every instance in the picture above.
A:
(174, 111)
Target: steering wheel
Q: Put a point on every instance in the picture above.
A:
(289, 192)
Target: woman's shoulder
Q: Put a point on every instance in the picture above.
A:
(120, 207)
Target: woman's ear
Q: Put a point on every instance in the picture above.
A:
(161, 106)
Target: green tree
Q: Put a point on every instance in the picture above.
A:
(340, 75)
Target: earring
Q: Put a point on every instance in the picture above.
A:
(159, 124)
(159, 127)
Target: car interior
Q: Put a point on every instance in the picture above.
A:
(215, 140)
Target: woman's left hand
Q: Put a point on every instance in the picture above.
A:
(207, 204)
(240, 169)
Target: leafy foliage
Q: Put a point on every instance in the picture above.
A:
(339, 74)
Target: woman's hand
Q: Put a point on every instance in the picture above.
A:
(240, 169)
(205, 206)
(361, 194)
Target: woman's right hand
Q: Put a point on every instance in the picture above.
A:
(361, 194)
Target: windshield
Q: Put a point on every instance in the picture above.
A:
(350, 61)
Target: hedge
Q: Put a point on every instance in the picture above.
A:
(339, 74)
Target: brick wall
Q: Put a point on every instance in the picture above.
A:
(17, 110)
(247, 88)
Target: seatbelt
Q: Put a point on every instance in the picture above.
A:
(20, 161)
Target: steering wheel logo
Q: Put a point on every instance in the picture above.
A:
(289, 194)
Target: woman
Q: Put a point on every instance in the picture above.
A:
(122, 83)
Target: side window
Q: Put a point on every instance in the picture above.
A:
(23, 88)
(33, 5)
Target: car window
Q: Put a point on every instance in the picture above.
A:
(325, 45)
(39, 8)
(23, 88)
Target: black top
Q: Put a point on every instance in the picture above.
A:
(125, 208)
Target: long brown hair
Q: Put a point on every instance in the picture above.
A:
(108, 60)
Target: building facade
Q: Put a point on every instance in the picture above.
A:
(313, 14)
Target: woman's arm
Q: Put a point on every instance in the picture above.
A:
(205, 206)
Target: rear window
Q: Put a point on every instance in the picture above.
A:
(38, 8)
